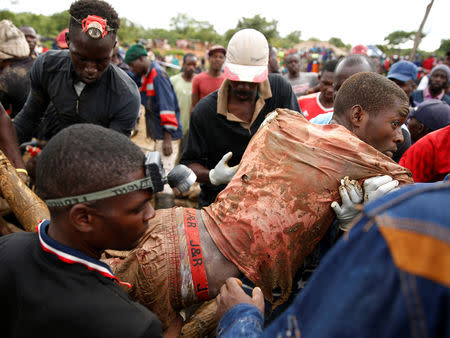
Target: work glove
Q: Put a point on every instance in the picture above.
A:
(352, 196)
(269, 118)
(375, 187)
(222, 173)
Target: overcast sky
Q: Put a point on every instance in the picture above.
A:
(354, 21)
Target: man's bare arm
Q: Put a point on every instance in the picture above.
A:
(201, 172)
(195, 99)
(8, 140)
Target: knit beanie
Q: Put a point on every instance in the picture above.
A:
(134, 52)
(444, 68)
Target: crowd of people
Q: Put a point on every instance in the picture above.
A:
(380, 266)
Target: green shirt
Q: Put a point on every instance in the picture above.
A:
(183, 90)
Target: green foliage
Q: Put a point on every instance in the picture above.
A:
(188, 27)
(293, 38)
(399, 37)
(337, 42)
(268, 28)
(47, 26)
(160, 33)
(383, 48)
(185, 27)
(174, 52)
(444, 47)
(129, 33)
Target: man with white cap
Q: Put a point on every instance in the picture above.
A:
(223, 123)
(15, 65)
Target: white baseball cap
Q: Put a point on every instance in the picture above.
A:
(247, 57)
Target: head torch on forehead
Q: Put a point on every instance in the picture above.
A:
(180, 177)
(94, 26)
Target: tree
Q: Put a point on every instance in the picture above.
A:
(445, 46)
(268, 28)
(190, 28)
(337, 42)
(399, 37)
(129, 32)
(293, 38)
(182, 24)
(47, 26)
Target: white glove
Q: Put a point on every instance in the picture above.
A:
(352, 196)
(222, 173)
(375, 187)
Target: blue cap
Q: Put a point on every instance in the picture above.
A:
(434, 114)
(403, 71)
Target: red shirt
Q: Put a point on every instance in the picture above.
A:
(429, 63)
(311, 106)
(203, 84)
(429, 158)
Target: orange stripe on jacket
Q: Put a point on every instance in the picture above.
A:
(419, 254)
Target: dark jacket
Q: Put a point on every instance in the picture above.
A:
(112, 101)
(47, 290)
(211, 135)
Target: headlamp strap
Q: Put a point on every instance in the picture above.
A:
(141, 184)
(94, 26)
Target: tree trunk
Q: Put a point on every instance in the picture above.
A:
(418, 37)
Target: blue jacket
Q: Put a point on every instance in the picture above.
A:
(161, 104)
(418, 96)
(389, 277)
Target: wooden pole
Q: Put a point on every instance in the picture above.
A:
(418, 37)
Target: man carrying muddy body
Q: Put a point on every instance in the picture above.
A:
(276, 208)
(223, 123)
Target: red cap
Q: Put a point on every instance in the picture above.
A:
(360, 49)
(61, 39)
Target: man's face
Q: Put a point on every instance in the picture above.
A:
(274, 64)
(140, 65)
(447, 59)
(90, 57)
(326, 86)
(121, 221)
(293, 64)
(408, 86)
(189, 65)
(438, 80)
(244, 91)
(30, 35)
(216, 60)
(416, 129)
(116, 55)
(383, 131)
